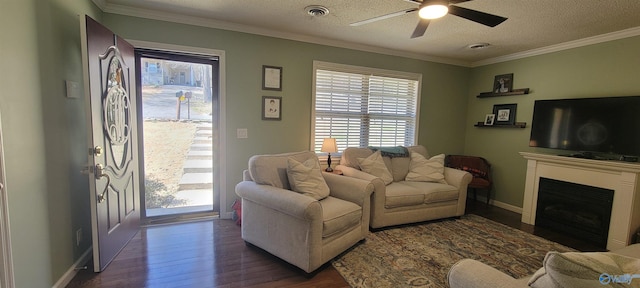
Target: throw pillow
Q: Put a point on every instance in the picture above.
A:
(475, 172)
(584, 269)
(374, 165)
(306, 178)
(426, 170)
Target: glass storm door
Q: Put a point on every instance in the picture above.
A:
(179, 135)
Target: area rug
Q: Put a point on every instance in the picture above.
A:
(420, 255)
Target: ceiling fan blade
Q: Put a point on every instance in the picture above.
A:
(374, 19)
(421, 28)
(476, 16)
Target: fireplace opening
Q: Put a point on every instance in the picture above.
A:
(576, 210)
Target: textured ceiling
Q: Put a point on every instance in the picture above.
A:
(532, 24)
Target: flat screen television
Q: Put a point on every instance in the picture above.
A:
(592, 126)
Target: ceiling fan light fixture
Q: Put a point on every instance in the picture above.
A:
(433, 11)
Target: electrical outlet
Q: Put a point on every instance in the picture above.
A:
(78, 237)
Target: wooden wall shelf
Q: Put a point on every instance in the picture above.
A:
(517, 125)
(513, 92)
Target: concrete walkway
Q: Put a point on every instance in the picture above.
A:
(198, 169)
(196, 185)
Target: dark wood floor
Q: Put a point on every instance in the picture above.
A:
(212, 254)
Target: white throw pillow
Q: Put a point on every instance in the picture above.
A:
(306, 178)
(426, 170)
(584, 269)
(374, 165)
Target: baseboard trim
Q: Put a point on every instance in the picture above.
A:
(73, 270)
(506, 206)
(502, 205)
(227, 215)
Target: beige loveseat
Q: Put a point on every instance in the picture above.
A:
(306, 229)
(400, 201)
(566, 270)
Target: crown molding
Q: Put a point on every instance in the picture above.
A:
(631, 32)
(223, 25)
(102, 4)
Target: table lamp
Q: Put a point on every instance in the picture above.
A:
(329, 146)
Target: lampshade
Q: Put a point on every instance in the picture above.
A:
(329, 145)
(433, 11)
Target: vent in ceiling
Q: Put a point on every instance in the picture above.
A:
(316, 10)
(478, 46)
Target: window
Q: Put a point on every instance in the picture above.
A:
(361, 106)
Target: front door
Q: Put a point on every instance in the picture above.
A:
(113, 160)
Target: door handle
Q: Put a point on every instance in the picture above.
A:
(98, 171)
(96, 151)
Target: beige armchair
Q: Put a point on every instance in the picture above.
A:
(569, 269)
(295, 227)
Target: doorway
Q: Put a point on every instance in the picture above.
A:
(179, 95)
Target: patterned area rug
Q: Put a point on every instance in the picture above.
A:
(421, 255)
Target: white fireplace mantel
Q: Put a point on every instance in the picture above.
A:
(621, 177)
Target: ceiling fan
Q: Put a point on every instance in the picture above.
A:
(433, 9)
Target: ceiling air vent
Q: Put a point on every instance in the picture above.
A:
(478, 46)
(316, 10)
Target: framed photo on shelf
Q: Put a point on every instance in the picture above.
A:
(503, 83)
(271, 78)
(271, 108)
(505, 114)
(488, 120)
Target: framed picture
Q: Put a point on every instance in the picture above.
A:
(271, 108)
(503, 83)
(488, 120)
(505, 114)
(271, 78)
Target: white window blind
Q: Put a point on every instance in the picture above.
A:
(364, 107)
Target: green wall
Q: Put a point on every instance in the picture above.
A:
(44, 136)
(599, 70)
(22, 127)
(245, 55)
(65, 127)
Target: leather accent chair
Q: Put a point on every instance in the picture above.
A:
(479, 168)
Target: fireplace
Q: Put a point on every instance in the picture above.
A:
(573, 209)
(623, 178)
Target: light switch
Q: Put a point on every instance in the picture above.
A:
(73, 89)
(242, 133)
